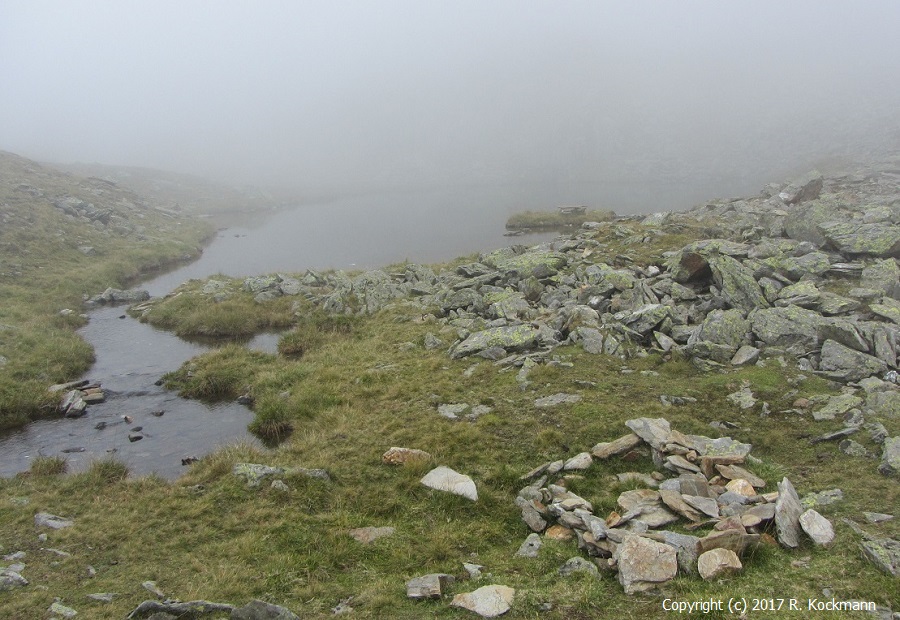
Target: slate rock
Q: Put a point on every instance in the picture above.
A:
(817, 527)
(890, 457)
(717, 563)
(557, 399)
(510, 338)
(487, 601)
(616, 447)
(654, 431)
(531, 546)
(10, 579)
(429, 586)
(188, 609)
(61, 610)
(446, 479)
(787, 515)
(644, 564)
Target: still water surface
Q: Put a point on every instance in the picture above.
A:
(352, 233)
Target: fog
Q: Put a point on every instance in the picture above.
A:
(714, 96)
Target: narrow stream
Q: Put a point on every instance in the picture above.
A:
(355, 233)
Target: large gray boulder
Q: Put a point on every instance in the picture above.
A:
(856, 238)
(890, 457)
(487, 601)
(789, 327)
(787, 515)
(802, 189)
(737, 284)
(693, 261)
(510, 338)
(844, 364)
(720, 335)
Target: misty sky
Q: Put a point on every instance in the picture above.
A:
(426, 92)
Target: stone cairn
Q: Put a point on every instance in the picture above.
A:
(706, 487)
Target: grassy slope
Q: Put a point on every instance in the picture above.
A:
(356, 392)
(42, 271)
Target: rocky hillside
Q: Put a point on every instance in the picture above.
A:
(62, 237)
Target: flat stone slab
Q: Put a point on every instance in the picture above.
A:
(644, 564)
(446, 479)
(616, 447)
(787, 515)
(817, 527)
(45, 519)
(429, 586)
(487, 602)
(557, 399)
(655, 431)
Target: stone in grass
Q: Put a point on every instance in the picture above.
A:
(614, 448)
(260, 610)
(578, 564)
(103, 597)
(644, 564)
(487, 601)
(429, 586)
(557, 399)
(253, 473)
(402, 456)
(368, 535)
(530, 548)
(890, 458)
(445, 479)
(787, 515)
(10, 579)
(61, 610)
(817, 527)
(45, 519)
(717, 563)
(580, 461)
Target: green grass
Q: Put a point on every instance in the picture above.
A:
(43, 271)
(555, 219)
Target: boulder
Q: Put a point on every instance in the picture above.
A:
(644, 564)
(842, 363)
(890, 457)
(654, 431)
(719, 336)
(487, 601)
(718, 563)
(802, 189)
(578, 564)
(790, 327)
(429, 586)
(817, 527)
(855, 238)
(737, 284)
(445, 479)
(510, 338)
(787, 515)
(254, 473)
(531, 546)
(45, 519)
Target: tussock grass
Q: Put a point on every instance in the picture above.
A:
(48, 466)
(555, 219)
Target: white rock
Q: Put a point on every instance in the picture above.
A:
(487, 602)
(445, 479)
(817, 527)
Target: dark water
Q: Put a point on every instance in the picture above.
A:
(354, 233)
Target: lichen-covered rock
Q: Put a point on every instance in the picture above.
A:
(738, 286)
(855, 238)
(538, 263)
(510, 338)
(789, 327)
(253, 473)
(719, 336)
(692, 261)
(890, 457)
(883, 275)
(817, 527)
(844, 364)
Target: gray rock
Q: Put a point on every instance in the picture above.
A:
(578, 564)
(557, 399)
(614, 448)
(433, 342)
(445, 479)
(817, 527)
(787, 515)
(853, 239)
(10, 579)
(790, 327)
(836, 406)
(844, 364)
(487, 601)
(743, 398)
(745, 356)
(654, 431)
(877, 517)
(890, 457)
(718, 562)
(591, 340)
(103, 597)
(45, 519)
(61, 610)
(579, 462)
(253, 473)
(260, 610)
(531, 546)
(822, 498)
(737, 284)
(429, 586)
(644, 564)
(510, 338)
(452, 411)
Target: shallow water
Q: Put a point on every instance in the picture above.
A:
(354, 233)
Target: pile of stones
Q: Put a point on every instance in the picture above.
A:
(76, 396)
(700, 482)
